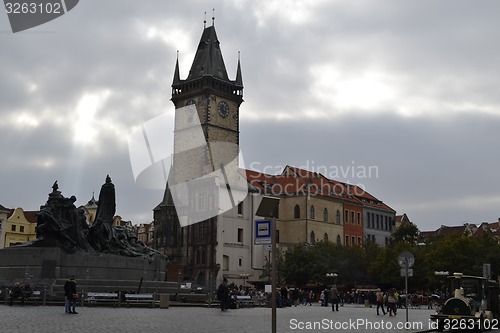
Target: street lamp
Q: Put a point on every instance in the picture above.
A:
(244, 276)
(332, 275)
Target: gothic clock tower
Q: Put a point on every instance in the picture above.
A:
(207, 112)
(206, 139)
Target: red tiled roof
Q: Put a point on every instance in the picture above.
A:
(296, 181)
(31, 216)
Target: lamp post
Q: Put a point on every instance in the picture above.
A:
(244, 276)
(332, 275)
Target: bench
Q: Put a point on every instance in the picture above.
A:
(244, 300)
(33, 298)
(93, 297)
(140, 299)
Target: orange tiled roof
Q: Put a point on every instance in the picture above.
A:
(31, 216)
(296, 181)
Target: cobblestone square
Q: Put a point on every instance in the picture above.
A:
(350, 318)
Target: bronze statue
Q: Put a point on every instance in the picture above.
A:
(62, 224)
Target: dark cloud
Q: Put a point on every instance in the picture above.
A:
(325, 82)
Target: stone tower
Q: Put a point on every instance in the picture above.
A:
(207, 112)
(206, 140)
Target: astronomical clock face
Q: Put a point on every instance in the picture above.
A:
(223, 109)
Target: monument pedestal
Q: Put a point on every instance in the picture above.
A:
(38, 264)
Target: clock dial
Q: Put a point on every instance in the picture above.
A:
(223, 109)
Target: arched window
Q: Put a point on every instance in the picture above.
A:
(198, 257)
(325, 215)
(337, 218)
(312, 238)
(203, 257)
(296, 212)
(339, 240)
(325, 237)
(311, 213)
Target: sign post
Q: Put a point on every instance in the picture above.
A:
(269, 208)
(262, 232)
(406, 260)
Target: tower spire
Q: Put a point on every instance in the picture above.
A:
(177, 77)
(239, 79)
(213, 17)
(205, 21)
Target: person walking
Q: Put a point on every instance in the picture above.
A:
(71, 296)
(392, 301)
(334, 298)
(380, 301)
(223, 295)
(309, 297)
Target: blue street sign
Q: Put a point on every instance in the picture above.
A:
(262, 232)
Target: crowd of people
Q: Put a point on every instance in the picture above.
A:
(386, 302)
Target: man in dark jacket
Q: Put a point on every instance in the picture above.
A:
(223, 295)
(70, 295)
(334, 298)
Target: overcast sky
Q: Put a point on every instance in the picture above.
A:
(409, 89)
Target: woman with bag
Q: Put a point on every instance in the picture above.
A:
(70, 295)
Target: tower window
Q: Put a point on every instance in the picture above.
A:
(240, 235)
(240, 208)
(312, 238)
(296, 212)
(201, 201)
(312, 213)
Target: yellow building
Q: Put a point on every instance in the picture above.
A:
(4, 215)
(20, 227)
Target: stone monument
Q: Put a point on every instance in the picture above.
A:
(66, 246)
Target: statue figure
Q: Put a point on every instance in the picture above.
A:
(101, 232)
(61, 224)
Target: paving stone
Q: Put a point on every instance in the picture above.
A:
(350, 318)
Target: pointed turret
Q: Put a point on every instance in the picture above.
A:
(177, 77)
(208, 71)
(208, 59)
(239, 79)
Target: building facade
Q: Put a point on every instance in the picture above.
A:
(4, 215)
(20, 227)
